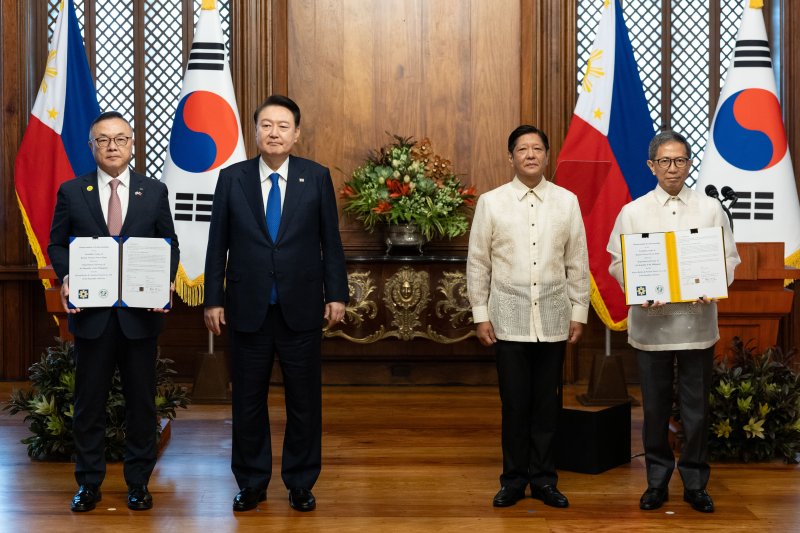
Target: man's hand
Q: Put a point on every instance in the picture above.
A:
(575, 331)
(653, 303)
(213, 317)
(485, 333)
(334, 313)
(703, 300)
(162, 309)
(65, 297)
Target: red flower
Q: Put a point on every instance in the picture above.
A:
(347, 192)
(468, 195)
(397, 188)
(382, 207)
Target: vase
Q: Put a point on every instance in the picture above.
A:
(404, 236)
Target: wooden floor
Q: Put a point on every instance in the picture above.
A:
(394, 459)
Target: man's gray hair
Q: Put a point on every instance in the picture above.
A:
(665, 137)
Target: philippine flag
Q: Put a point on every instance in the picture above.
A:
(206, 137)
(747, 148)
(604, 157)
(55, 147)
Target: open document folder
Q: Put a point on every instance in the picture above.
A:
(674, 266)
(119, 272)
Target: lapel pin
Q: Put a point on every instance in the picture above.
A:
(302, 180)
(89, 188)
(138, 193)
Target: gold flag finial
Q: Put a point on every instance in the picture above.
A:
(756, 4)
(208, 4)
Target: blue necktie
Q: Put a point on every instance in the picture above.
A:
(274, 221)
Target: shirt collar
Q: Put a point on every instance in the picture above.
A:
(265, 171)
(104, 179)
(521, 190)
(662, 196)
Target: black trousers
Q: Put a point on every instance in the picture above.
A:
(300, 360)
(656, 371)
(95, 362)
(529, 375)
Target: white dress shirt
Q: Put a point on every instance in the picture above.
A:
(678, 326)
(528, 267)
(266, 184)
(123, 191)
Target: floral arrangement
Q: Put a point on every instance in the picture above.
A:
(406, 183)
(49, 406)
(755, 406)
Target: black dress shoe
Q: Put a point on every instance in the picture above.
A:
(653, 498)
(86, 498)
(139, 498)
(248, 499)
(700, 500)
(508, 496)
(302, 500)
(550, 495)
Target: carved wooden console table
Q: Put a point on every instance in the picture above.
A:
(406, 298)
(408, 322)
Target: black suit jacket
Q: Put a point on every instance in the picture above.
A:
(307, 258)
(78, 213)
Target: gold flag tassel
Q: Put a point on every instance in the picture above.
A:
(191, 291)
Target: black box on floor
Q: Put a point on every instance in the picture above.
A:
(594, 440)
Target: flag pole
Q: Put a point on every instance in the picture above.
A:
(607, 379)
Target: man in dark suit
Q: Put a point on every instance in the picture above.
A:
(114, 200)
(275, 262)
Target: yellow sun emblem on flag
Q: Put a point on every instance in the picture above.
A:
(49, 71)
(592, 70)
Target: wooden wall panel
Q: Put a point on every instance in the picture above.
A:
(462, 72)
(445, 69)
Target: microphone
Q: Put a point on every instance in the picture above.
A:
(712, 191)
(729, 194)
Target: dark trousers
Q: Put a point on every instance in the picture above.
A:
(95, 362)
(529, 375)
(656, 371)
(252, 360)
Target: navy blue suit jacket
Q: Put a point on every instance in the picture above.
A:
(306, 259)
(78, 214)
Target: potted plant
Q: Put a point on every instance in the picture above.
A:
(410, 189)
(48, 405)
(754, 406)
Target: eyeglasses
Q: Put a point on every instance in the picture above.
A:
(104, 142)
(666, 162)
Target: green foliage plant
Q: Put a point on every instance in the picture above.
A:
(754, 406)
(48, 405)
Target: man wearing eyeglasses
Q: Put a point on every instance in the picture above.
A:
(664, 334)
(113, 200)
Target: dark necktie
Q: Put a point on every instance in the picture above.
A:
(274, 221)
(114, 209)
